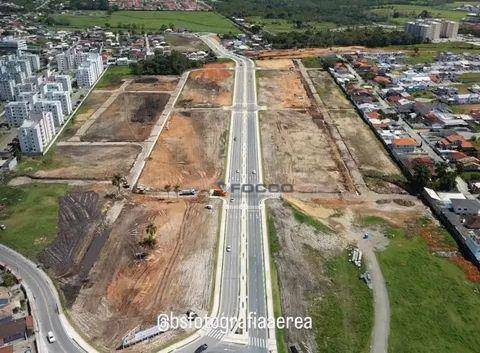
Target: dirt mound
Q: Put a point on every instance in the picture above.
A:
(146, 79)
(129, 118)
(208, 88)
(79, 241)
(147, 111)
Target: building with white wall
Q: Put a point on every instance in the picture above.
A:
(54, 107)
(64, 98)
(432, 29)
(65, 81)
(31, 97)
(86, 75)
(34, 60)
(36, 133)
(65, 61)
(7, 90)
(16, 113)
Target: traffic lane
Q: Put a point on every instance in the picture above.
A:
(257, 303)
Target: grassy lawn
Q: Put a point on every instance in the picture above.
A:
(30, 165)
(274, 247)
(434, 308)
(31, 215)
(470, 78)
(113, 77)
(409, 12)
(151, 20)
(301, 217)
(343, 316)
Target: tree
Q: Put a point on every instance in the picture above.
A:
(168, 187)
(150, 240)
(445, 176)
(421, 176)
(177, 189)
(118, 180)
(14, 149)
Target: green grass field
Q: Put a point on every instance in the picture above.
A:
(433, 307)
(470, 78)
(113, 77)
(31, 216)
(150, 20)
(409, 12)
(343, 316)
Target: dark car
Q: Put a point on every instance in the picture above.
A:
(202, 348)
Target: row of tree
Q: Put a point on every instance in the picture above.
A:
(369, 37)
(172, 64)
(443, 177)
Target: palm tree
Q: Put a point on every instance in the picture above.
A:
(150, 240)
(168, 187)
(118, 180)
(177, 189)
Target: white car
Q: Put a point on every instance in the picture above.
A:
(254, 171)
(228, 248)
(50, 337)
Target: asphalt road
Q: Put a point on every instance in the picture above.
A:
(44, 299)
(243, 285)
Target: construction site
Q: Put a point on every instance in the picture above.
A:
(190, 152)
(210, 87)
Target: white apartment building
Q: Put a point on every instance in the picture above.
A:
(65, 61)
(16, 113)
(30, 97)
(36, 133)
(52, 87)
(7, 90)
(25, 66)
(34, 60)
(24, 87)
(65, 81)
(64, 99)
(54, 107)
(432, 29)
(86, 75)
(13, 44)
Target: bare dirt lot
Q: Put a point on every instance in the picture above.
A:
(208, 88)
(298, 151)
(303, 53)
(367, 151)
(129, 118)
(185, 43)
(89, 162)
(275, 64)
(328, 90)
(279, 89)
(190, 151)
(90, 105)
(176, 275)
(153, 84)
